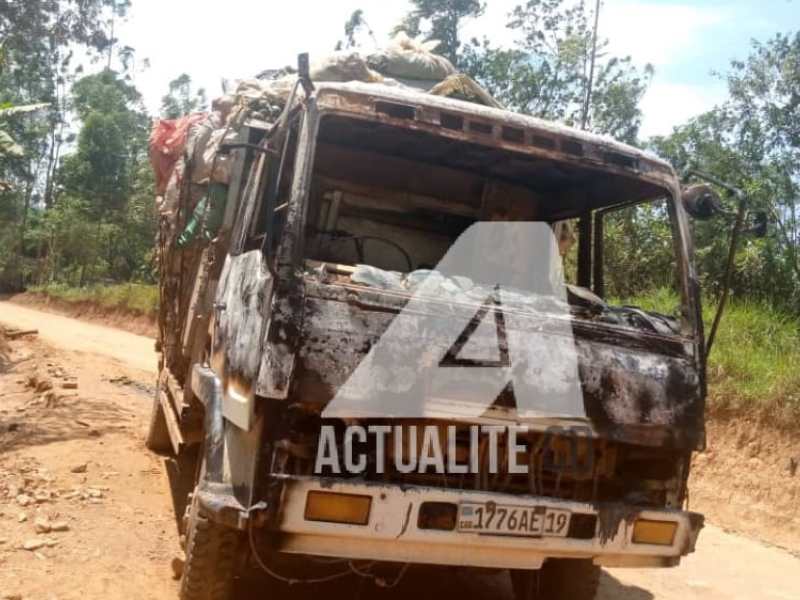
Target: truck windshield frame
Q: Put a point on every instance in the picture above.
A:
(647, 182)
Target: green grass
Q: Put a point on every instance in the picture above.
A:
(142, 298)
(754, 366)
(755, 361)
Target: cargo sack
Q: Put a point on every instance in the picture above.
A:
(341, 66)
(167, 143)
(206, 157)
(171, 199)
(263, 99)
(406, 58)
(463, 87)
(196, 144)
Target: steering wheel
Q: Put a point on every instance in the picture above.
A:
(359, 240)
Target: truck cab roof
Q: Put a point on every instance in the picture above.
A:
(488, 125)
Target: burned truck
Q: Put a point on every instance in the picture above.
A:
(333, 219)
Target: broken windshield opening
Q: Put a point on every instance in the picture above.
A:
(387, 203)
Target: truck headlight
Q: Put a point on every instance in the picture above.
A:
(660, 533)
(331, 507)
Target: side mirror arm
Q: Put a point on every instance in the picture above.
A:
(741, 215)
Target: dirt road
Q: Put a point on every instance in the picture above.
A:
(75, 459)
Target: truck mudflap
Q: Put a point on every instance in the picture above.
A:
(426, 525)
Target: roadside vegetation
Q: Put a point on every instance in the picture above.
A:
(754, 366)
(136, 297)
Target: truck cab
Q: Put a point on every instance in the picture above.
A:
(394, 279)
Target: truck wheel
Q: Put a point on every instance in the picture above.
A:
(157, 438)
(213, 552)
(558, 579)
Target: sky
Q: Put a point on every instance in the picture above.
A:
(686, 41)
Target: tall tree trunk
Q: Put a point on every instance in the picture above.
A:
(587, 103)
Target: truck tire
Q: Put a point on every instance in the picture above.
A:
(213, 554)
(157, 438)
(558, 579)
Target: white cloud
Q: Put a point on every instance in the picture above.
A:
(669, 105)
(657, 34)
(492, 23)
(650, 33)
(663, 35)
(660, 34)
(670, 37)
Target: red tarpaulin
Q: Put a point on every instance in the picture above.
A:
(167, 143)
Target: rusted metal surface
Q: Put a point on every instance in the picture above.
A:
(538, 137)
(285, 316)
(497, 125)
(287, 333)
(642, 387)
(244, 288)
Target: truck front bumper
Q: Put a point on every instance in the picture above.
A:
(394, 530)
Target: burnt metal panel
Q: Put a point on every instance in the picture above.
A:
(637, 387)
(245, 291)
(280, 340)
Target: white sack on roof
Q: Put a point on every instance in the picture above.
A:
(406, 58)
(341, 66)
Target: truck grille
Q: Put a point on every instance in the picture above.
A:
(558, 463)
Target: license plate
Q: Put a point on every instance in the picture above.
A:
(504, 519)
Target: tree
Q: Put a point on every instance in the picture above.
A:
(111, 141)
(60, 22)
(97, 183)
(40, 39)
(764, 117)
(546, 74)
(441, 20)
(753, 142)
(8, 147)
(182, 99)
(355, 27)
